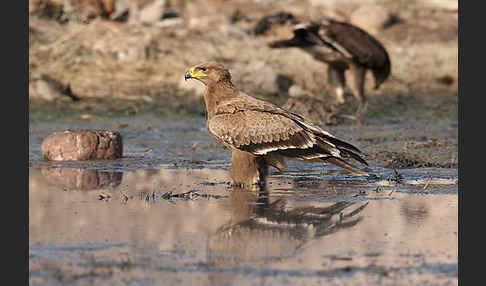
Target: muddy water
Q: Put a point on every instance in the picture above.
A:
(165, 215)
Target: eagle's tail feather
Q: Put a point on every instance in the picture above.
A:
(354, 156)
(343, 164)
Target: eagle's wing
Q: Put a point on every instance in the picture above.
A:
(259, 132)
(355, 42)
(316, 34)
(259, 127)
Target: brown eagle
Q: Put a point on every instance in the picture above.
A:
(342, 46)
(261, 134)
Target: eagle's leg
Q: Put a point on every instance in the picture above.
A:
(357, 87)
(337, 81)
(247, 169)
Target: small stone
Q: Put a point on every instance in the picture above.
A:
(82, 145)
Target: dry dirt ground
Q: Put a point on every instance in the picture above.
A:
(108, 59)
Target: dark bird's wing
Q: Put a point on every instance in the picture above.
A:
(258, 127)
(333, 41)
(353, 41)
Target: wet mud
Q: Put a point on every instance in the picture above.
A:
(165, 213)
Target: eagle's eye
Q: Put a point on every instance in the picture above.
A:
(203, 69)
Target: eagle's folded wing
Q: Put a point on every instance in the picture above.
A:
(259, 132)
(353, 41)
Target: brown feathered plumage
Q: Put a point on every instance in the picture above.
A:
(343, 46)
(260, 133)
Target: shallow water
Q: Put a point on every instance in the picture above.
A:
(127, 229)
(165, 214)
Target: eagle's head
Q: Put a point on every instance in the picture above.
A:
(381, 74)
(207, 73)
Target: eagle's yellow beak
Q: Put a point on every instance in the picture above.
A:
(190, 74)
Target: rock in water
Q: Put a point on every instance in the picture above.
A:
(82, 145)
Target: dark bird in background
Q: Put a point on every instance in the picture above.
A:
(261, 134)
(343, 47)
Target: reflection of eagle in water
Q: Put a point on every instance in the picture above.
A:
(260, 230)
(342, 46)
